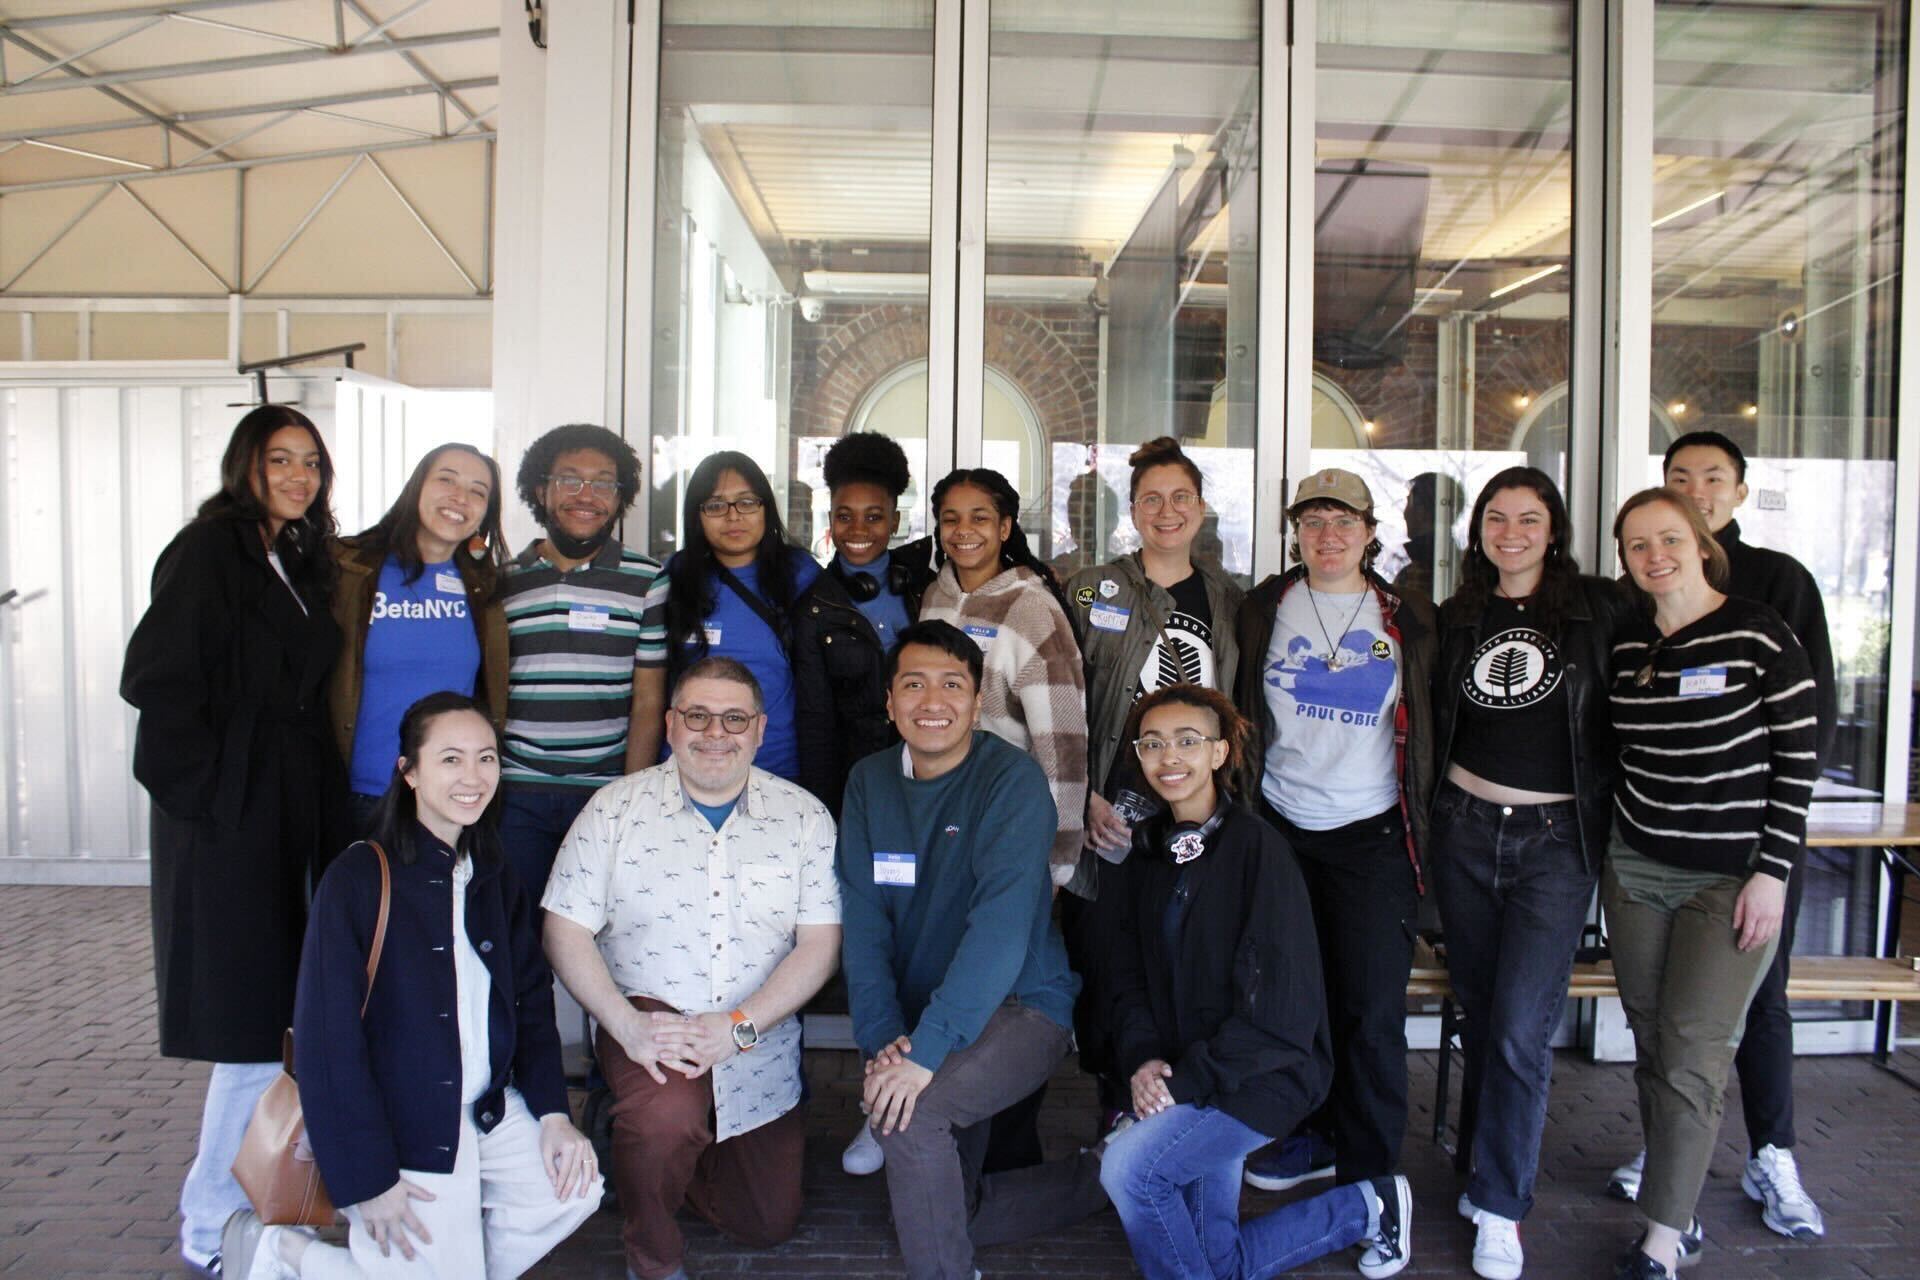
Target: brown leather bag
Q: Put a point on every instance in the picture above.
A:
(275, 1166)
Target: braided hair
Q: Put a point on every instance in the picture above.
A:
(1006, 500)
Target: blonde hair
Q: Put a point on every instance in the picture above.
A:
(1719, 572)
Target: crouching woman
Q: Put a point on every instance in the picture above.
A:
(438, 1112)
(1220, 1021)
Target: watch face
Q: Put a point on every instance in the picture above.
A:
(745, 1034)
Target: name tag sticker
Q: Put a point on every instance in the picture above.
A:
(893, 868)
(588, 617)
(1703, 682)
(1109, 617)
(449, 584)
(713, 636)
(982, 634)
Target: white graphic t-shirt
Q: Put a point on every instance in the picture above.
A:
(1332, 677)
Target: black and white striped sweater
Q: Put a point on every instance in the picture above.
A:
(1718, 749)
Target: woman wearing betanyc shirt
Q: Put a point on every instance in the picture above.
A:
(1334, 669)
(418, 606)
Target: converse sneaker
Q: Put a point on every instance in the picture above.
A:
(1624, 1183)
(1693, 1241)
(1392, 1245)
(863, 1155)
(1290, 1163)
(1773, 1179)
(1496, 1247)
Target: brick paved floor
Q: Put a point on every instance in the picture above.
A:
(96, 1132)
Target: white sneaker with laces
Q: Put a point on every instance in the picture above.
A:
(1773, 1178)
(1624, 1183)
(863, 1155)
(1496, 1247)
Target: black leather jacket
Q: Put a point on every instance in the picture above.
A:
(1596, 608)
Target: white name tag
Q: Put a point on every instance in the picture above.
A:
(981, 634)
(1703, 682)
(713, 636)
(449, 584)
(588, 617)
(893, 868)
(1109, 617)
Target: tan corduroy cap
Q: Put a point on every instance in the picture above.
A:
(1333, 485)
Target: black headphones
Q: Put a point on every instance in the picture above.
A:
(1185, 841)
(864, 586)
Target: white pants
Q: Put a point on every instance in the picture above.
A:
(494, 1216)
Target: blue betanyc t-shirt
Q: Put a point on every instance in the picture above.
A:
(420, 640)
(735, 631)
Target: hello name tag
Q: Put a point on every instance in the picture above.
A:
(1703, 682)
(981, 634)
(713, 637)
(1109, 617)
(588, 617)
(894, 868)
(449, 584)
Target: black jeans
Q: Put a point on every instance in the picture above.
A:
(1514, 892)
(1765, 1060)
(1364, 898)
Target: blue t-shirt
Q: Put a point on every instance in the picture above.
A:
(715, 814)
(735, 631)
(420, 640)
(886, 611)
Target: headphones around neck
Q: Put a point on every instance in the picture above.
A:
(1185, 841)
(864, 586)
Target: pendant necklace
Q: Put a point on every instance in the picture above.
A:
(1332, 647)
(1518, 602)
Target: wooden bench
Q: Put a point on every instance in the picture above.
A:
(1864, 979)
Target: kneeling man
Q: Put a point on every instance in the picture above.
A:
(961, 996)
(692, 910)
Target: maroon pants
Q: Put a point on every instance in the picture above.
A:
(664, 1156)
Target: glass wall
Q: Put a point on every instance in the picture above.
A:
(1443, 202)
(791, 242)
(1122, 262)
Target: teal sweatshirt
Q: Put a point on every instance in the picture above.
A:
(932, 959)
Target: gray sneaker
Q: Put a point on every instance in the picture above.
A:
(1773, 1179)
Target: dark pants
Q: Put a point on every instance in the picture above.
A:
(1765, 1060)
(942, 1207)
(533, 822)
(664, 1156)
(1361, 884)
(360, 815)
(1514, 892)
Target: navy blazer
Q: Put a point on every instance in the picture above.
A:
(383, 1094)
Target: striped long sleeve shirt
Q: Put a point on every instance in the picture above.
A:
(1718, 743)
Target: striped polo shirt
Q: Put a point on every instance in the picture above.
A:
(574, 640)
(1717, 741)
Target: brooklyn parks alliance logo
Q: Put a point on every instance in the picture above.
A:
(1513, 669)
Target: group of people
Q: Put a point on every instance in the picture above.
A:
(401, 781)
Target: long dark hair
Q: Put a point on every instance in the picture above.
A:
(396, 818)
(694, 587)
(300, 544)
(397, 533)
(1006, 500)
(1479, 577)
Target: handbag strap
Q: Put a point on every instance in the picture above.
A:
(380, 925)
(758, 604)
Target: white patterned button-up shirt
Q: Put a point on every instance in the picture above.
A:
(700, 918)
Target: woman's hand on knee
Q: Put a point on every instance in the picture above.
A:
(567, 1156)
(388, 1218)
(1150, 1093)
(1759, 909)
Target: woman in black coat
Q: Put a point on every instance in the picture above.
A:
(228, 669)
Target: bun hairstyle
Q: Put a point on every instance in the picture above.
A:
(1006, 500)
(1163, 451)
(867, 457)
(1235, 729)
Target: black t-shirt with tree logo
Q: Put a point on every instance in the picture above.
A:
(1512, 725)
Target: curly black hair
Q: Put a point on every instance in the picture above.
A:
(867, 457)
(539, 459)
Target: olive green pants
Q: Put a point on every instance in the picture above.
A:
(1685, 985)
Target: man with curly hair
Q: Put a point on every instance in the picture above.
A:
(587, 682)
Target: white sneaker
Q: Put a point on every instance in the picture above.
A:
(863, 1155)
(1465, 1206)
(1392, 1245)
(1624, 1183)
(1773, 1179)
(1496, 1247)
(250, 1250)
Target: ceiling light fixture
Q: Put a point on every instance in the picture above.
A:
(1524, 281)
(1685, 209)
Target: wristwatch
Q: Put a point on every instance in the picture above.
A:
(745, 1034)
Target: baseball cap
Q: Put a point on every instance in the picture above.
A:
(1331, 484)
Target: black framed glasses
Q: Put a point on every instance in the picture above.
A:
(570, 486)
(731, 721)
(717, 507)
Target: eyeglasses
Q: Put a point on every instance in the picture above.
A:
(1154, 748)
(717, 507)
(570, 486)
(732, 721)
(1181, 499)
(1341, 524)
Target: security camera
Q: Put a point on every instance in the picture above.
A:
(811, 309)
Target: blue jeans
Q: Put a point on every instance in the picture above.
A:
(210, 1194)
(1175, 1180)
(1514, 892)
(533, 822)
